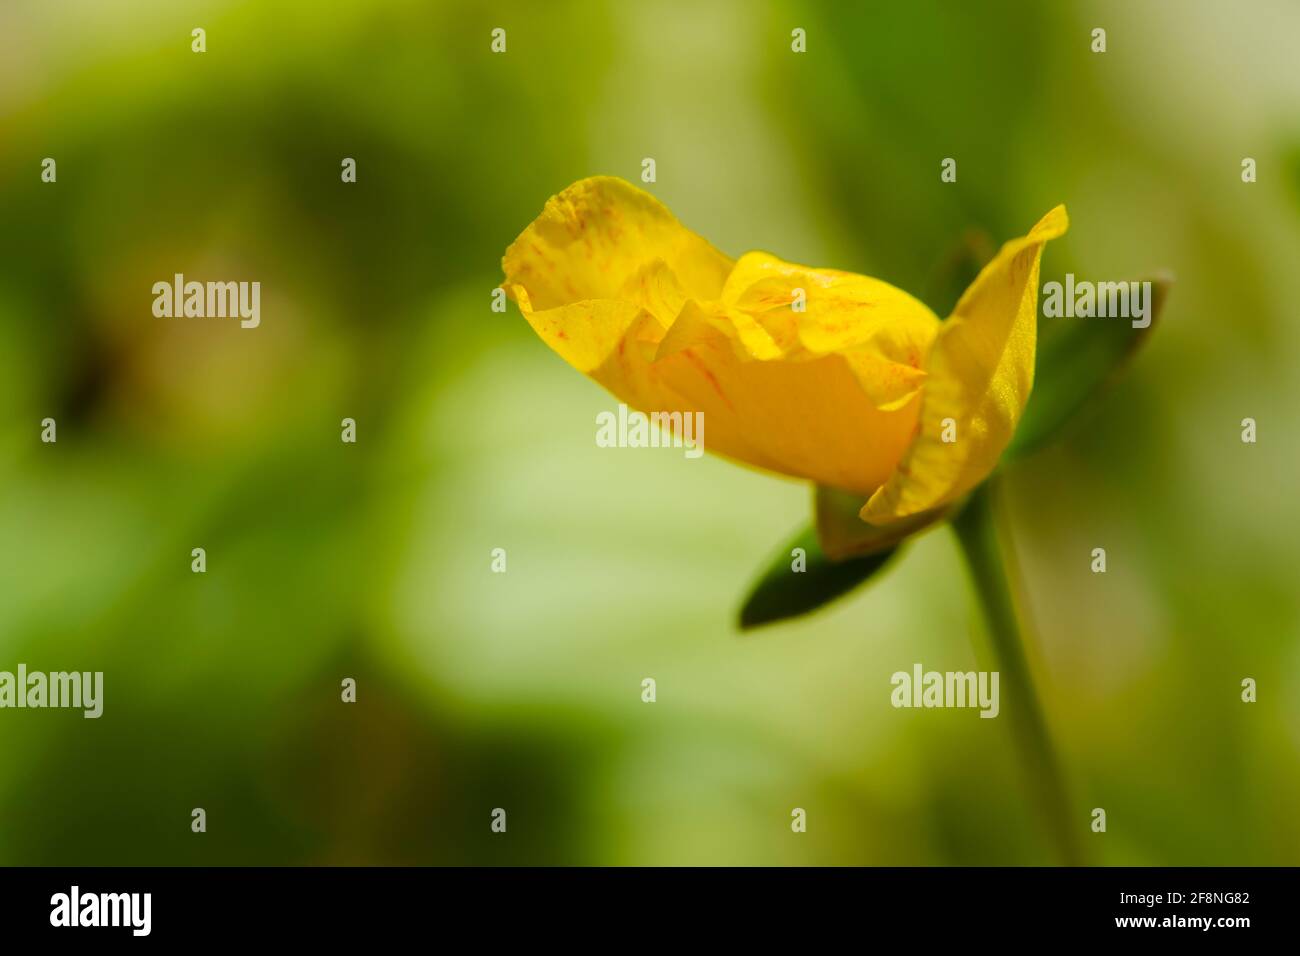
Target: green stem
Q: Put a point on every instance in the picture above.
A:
(976, 529)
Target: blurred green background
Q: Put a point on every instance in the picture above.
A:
(522, 690)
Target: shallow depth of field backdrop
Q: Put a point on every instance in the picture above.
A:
(479, 690)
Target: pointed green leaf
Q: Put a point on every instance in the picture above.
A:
(1076, 364)
(783, 592)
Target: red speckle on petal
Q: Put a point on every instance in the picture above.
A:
(709, 376)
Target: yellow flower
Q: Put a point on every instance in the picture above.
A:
(853, 391)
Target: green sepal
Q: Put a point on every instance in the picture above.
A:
(1075, 365)
(842, 533)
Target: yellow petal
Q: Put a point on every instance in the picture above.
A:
(981, 370)
(602, 273)
(611, 340)
(596, 236)
(624, 293)
(883, 333)
(808, 418)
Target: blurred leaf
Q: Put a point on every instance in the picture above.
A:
(842, 534)
(957, 269)
(1075, 366)
(1293, 173)
(783, 592)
